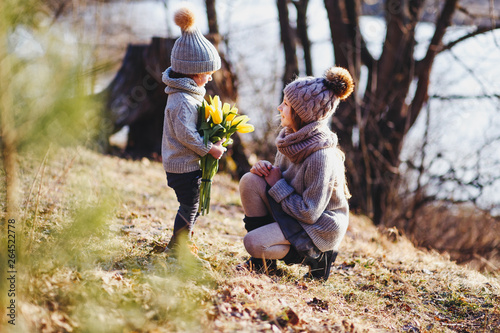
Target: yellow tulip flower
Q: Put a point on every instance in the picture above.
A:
(240, 120)
(221, 121)
(216, 114)
(245, 128)
(208, 110)
(216, 102)
(232, 113)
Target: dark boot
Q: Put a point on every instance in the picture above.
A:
(181, 232)
(183, 225)
(292, 257)
(320, 267)
(179, 240)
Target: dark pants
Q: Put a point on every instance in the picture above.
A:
(187, 190)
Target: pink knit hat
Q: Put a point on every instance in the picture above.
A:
(314, 98)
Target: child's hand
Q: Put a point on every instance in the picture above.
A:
(217, 150)
(274, 176)
(261, 168)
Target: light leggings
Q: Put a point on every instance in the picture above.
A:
(267, 242)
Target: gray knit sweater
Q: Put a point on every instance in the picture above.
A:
(313, 192)
(182, 145)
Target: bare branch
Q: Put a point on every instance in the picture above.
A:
(474, 16)
(478, 31)
(493, 19)
(425, 65)
(463, 97)
(471, 73)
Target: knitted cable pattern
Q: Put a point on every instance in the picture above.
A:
(315, 99)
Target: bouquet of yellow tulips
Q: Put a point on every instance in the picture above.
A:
(218, 122)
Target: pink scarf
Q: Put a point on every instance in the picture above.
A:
(297, 146)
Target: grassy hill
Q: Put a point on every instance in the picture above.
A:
(91, 261)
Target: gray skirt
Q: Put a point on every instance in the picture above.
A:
(294, 233)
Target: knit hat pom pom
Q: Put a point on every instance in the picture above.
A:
(185, 18)
(339, 80)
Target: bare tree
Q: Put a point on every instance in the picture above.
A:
(372, 126)
(466, 179)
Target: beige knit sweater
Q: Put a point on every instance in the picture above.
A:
(313, 193)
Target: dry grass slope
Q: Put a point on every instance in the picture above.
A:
(107, 276)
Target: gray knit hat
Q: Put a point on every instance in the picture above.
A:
(192, 52)
(315, 98)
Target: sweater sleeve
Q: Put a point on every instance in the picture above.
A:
(318, 178)
(186, 131)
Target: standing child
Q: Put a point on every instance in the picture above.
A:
(296, 210)
(193, 61)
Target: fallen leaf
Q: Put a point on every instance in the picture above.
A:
(318, 304)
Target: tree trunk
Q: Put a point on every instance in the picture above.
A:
(288, 40)
(301, 6)
(213, 26)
